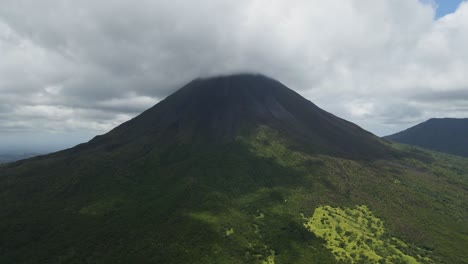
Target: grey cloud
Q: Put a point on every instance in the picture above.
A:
(88, 65)
(455, 95)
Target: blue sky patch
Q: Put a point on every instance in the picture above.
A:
(445, 7)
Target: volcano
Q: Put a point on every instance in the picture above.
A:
(235, 169)
(222, 108)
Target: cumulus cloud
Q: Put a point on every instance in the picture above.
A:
(70, 66)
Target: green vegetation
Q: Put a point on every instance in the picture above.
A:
(270, 259)
(357, 236)
(238, 202)
(101, 207)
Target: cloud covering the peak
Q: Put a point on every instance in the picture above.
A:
(86, 66)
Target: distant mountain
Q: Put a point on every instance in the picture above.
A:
(4, 158)
(235, 169)
(449, 135)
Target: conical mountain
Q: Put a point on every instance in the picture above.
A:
(235, 169)
(222, 108)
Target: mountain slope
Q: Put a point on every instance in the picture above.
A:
(223, 108)
(449, 135)
(203, 177)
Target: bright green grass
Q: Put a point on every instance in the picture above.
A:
(229, 231)
(357, 235)
(270, 259)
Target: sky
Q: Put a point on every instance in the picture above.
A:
(70, 70)
(444, 7)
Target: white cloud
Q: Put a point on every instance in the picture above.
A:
(374, 62)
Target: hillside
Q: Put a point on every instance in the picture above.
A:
(449, 135)
(235, 169)
(5, 158)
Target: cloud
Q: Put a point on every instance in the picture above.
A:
(87, 65)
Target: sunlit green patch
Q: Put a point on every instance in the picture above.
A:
(266, 144)
(270, 259)
(356, 235)
(260, 216)
(229, 231)
(206, 217)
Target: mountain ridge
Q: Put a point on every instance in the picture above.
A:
(449, 135)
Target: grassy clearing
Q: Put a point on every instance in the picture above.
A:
(358, 236)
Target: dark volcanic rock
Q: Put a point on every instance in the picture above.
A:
(220, 109)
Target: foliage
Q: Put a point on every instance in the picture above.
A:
(238, 202)
(356, 236)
